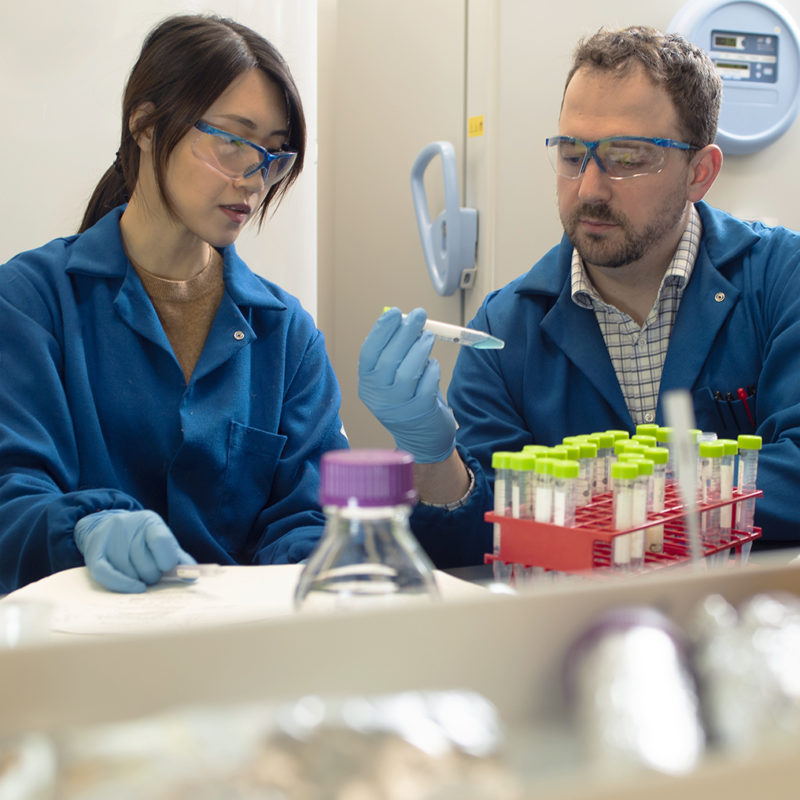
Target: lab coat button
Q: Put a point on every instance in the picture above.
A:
(719, 296)
(238, 335)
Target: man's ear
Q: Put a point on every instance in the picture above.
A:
(703, 170)
(137, 125)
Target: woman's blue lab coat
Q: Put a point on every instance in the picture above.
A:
(738, 326)
(95, 412)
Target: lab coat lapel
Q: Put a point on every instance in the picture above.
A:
(137, 311)
(574, 330)
(708, 300)
(229, 334)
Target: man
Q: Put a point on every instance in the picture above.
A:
(649, 290)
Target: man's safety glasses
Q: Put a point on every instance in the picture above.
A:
(238, 158)
(619, 157)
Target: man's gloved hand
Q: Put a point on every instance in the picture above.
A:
(399, 384)
(127, 550)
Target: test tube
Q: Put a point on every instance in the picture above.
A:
(571, 450)
(543, 505)
(605, 457)
(731, 449)
(646, 429)
(565, 478)
(586, 460)
(710, 453)
(749, 446)
(642, 494)
(663, 436)
(536, 449)
(618, 434)
(502, 506)
(623, 477)
(523, 483)
(631, 446)
(654, 538)
(646, 439)
(523, 486)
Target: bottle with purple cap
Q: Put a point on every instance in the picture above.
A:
(367, 554)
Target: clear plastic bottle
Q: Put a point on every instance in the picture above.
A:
(367, 554)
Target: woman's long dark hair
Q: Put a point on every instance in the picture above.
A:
(186, 62)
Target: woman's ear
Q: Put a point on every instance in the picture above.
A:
(703, 170)
(138, 125)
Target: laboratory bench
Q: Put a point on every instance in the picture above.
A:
(103, 659)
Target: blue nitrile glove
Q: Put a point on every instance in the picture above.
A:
(399, 384)
(126, 550)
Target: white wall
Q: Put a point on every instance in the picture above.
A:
(63, 67)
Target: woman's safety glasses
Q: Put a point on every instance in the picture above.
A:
(238, 158)
(619, 157)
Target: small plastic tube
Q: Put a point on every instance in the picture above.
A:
(654, 538)
(631, 446)
(726, 473)
(663, 436)
(586, 459)
(623, 478)
(618, 434)
(543, 505)
(565, 481)
(646, 429)
(642, 502)
(502, 506)
(605, 457)
(646, 439)
(748, 473)
(523, 484)
(710, 453)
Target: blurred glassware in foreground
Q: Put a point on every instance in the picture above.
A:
(632, 691)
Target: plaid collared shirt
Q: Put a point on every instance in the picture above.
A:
(638, 353)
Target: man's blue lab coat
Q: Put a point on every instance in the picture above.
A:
(738, 326)
(95, 412)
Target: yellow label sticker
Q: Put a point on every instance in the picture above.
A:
(475, 126)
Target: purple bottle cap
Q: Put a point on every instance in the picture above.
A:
(367, 477)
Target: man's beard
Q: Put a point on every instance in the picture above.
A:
(598, 250)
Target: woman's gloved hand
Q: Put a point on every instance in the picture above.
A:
(127, 550)
(399, 383)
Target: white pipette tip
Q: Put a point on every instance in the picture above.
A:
(468, 337)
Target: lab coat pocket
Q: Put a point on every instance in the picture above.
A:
(253, 458)
(718, 411)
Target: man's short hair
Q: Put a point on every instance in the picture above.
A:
(685, 71)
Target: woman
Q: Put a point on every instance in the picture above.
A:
(160, 403)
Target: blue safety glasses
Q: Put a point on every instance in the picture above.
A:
(239, 158)
(619, 157)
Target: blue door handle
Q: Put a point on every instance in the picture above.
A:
(448, 243)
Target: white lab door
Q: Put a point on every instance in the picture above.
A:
(395, 76)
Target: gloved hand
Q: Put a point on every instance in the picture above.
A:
(399, 384)
(125, 550)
